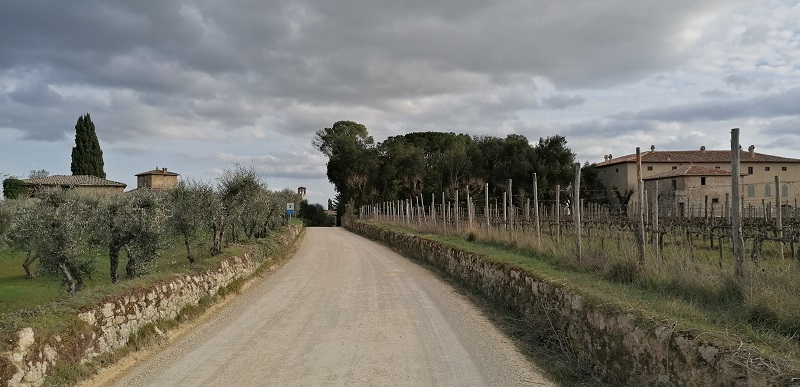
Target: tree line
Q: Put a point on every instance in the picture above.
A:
(66, 231)
(403, 167)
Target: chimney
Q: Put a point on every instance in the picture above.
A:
(605, 157)
(652, 148)
(752, 150)
(703, 148)
(164, 170)
(610, 157)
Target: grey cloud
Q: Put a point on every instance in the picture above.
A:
(738, 81)
(306, 49)
(207, 69)
(788, 126)
(563, 101)
(779, 104)
(756, 34)
(716, 93)
(284, 165)
(780, 142)
(609, 127)
(35, 94)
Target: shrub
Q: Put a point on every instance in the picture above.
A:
(13, 188)
(623, 272)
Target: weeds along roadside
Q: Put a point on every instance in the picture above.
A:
(763, 309)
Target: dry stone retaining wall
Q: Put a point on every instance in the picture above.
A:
(111, 324)
(624, 348)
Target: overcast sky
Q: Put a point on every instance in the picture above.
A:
(196, 86)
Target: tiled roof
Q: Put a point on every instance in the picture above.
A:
(690, 170)
(74, 180)
(162, 171)
(697, 156)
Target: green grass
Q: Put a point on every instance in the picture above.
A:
(43, 303)
(17, 291)
(725, 321)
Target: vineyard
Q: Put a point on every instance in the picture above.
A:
(686, 257)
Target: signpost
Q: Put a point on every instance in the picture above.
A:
(290, 211)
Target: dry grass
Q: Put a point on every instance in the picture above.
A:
(767, 299)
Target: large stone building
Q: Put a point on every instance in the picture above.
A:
(693, 177)
(157, 179)
(80, 183)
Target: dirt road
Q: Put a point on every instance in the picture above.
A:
(343, 311)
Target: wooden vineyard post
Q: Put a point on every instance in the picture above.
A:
(779, 217)
(505, 211)
(510, 205)
(445, 205)
(455, 207)
(422, 207)
(728, 207)
(640, 206)
(576, 205)
(736, 208)
(469, 211)
(536, 210)
(486, 206)
(433, 209)
(419, 215)
(656, 231)
(557, 213)
(528, 210)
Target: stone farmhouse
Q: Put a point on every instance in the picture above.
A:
(691, 190)
(157, 179)
(691, 180)
(81, 183)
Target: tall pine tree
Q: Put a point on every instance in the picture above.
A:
(87, 157)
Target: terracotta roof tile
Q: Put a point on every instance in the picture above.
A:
(697, 156)
(74, 180)
(690, 170)
(162, 171)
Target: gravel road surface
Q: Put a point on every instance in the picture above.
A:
(343, 311)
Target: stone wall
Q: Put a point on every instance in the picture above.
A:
(111, 324)
(624, 348)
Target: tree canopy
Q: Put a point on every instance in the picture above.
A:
(87, 157)
(406, 166)
(13, 188)
(352, 159)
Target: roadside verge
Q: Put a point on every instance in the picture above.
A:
(623, 346)
(100, 334)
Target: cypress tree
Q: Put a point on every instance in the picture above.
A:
(87, 157)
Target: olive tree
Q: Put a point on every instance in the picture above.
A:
(127, 222)
(60, 230)
(147, 226)
(20, 229)
(237, 189)
(191, 205)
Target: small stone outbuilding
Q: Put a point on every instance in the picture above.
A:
(157, 180)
